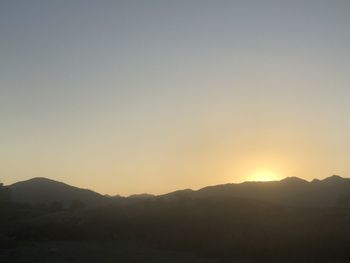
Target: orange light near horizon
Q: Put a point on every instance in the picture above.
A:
(264, 176)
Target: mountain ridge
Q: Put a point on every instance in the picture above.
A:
(46, 191)
(290, 191)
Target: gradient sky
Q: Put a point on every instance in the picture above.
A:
(151, 96)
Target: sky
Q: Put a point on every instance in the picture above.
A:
(127, 97)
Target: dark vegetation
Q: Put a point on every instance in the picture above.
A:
(287, 221)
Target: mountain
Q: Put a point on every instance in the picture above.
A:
(291, 220)
(43, 190)
(291, 191)
(141, 196)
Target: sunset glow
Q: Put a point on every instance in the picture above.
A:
(264, 176)
(153, 96)
(174, 131)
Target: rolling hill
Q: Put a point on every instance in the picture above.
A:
(43, 190)
(291, 191)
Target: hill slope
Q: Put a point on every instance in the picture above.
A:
(43, 190)
(291, 191)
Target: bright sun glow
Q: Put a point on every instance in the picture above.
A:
(264, 175)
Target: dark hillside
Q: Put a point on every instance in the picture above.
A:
(46, 191)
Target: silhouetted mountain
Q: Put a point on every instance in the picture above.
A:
(185, 193)
(291, 191)
(293, 180)
(45, 191)
(291, 220)
(141, 196)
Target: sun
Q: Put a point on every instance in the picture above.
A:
(264, 176)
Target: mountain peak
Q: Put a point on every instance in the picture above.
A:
(40, 180)
(293, 179)
(334, 178)
(315, 180)
(44, 190)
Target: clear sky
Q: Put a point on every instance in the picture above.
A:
(151, 96)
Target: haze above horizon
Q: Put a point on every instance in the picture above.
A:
(154, 96)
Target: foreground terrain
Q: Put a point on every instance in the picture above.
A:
(95, 251)
(291, 220)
